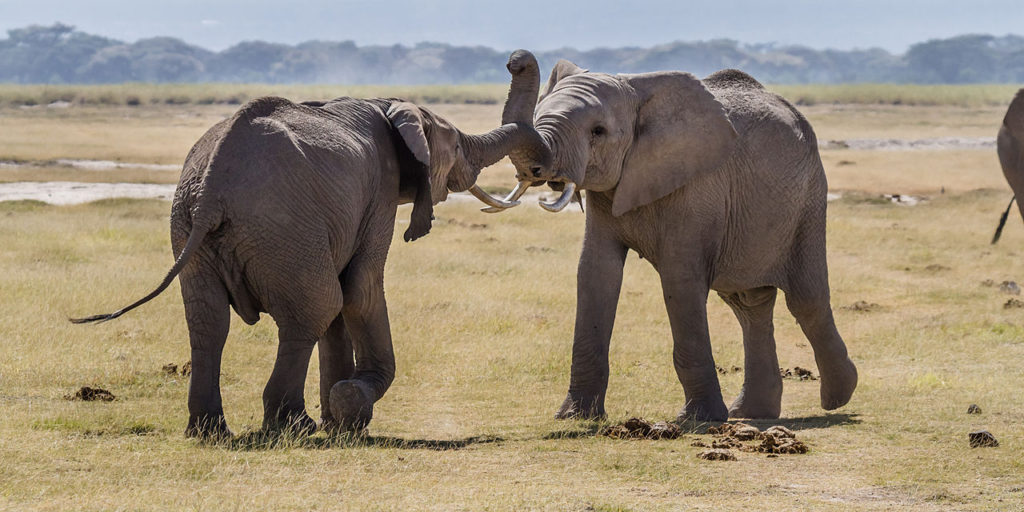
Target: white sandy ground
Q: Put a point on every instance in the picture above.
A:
(938, 143)
(71, 192)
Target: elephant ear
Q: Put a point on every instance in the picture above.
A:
(1014, 119)
(407, 120)
(562, 69)
(681, 132)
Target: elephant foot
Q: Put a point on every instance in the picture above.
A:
(758, 401)
(351, 405)
(704, 410)
(837, 384)
(581, 408)
(208, 426)
(294, 422)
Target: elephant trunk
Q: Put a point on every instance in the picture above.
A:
(522, 93)
(484, 150)
(531, 153)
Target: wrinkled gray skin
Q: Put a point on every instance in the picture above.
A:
(716, 182)
(289, 209)
(1010, 146)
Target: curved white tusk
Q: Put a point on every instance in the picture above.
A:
(493, 202)
(562, 201)
(512, 199)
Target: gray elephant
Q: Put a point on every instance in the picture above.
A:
(716, 182)
(289, 209)
(1010, 146)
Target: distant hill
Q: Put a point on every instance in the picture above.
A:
(59, 54)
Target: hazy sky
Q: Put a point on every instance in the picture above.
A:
(536, 24)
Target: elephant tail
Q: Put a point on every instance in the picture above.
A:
(1002, 221)
(195, 238)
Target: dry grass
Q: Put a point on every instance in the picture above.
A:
(900, 94)
(467, 424)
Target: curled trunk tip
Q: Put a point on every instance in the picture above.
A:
(523, 91)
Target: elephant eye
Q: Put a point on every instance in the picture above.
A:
(597, 131)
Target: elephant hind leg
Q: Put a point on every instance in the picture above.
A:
(761, 395)
(809, 303)
(302, 322)
(336, 364)
(208, 316)
(366, 319)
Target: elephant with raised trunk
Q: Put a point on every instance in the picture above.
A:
(716, 182)
(289, 209)
(1010, 146)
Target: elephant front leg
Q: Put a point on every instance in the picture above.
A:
(598, 282)
(366, 317)
(336, 364)
(686, 300)
(208, 316)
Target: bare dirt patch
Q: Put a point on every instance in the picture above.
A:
(88, 394)
(863, 306)
(716, 454)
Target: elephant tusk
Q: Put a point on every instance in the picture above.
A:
(562, 201)
(512, 199)
(493, 202)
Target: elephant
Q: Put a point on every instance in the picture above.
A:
(719, 185)
(1010, 147)
(289, 209)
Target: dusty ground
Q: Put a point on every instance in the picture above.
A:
(468, 424)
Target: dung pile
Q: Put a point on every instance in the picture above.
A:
(639, 428)
(775, 440)
(797, 373)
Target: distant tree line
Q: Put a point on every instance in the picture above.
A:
(59, 54)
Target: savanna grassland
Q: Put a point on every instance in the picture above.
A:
(482, 313)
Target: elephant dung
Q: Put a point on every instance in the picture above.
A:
(717, 454)
(88, 394)
(170, 369)
(780, 441)
(973, 409)
(982, 438)
(639, 428)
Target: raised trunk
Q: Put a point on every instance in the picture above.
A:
(522, 93)
(519, 108)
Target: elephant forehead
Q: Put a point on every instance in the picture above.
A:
(582, 92)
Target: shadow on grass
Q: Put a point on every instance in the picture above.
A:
(799, 423)
(264, 440)
(590, 428)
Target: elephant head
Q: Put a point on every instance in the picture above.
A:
(638, 136)
(444, 159)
